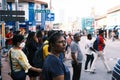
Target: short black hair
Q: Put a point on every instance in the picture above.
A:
(17, 38)
(11, 29)
(76, 35)
(54, 36)
(89, 35)
(101, 31)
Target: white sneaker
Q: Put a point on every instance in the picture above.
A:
(92, 71)
(87, 70)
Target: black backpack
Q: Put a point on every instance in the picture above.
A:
(95, 44)
(38, 59)
(25, 50)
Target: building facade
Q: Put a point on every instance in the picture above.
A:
(109, 21)
(32, 19)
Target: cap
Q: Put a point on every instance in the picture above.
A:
(77, 35)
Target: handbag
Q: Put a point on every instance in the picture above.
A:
(16, 75)
(19, 75)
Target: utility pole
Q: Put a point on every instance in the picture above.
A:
(4, 6)
(17, 22)
(50, 4)
(42, 18)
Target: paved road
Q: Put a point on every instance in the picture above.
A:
(111, 52)
(112, 55)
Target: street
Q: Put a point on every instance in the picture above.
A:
(112, 50)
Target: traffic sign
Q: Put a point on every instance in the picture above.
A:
(50, 17)
(42, 11)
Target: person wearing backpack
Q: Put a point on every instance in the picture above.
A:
(89, 52)
(32, 47)
(38, 59)
(99, 52)
(42, 53)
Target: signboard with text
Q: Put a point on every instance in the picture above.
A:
(42, 11)
(12, 16)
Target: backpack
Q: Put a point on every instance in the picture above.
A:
(25, 50)
(95, 44)
(38, 59)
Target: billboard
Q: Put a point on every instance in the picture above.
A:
(22, 7)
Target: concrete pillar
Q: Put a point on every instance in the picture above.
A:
(17, 22)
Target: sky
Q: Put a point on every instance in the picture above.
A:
(80, 8)
(83, 7)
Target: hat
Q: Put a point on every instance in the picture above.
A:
(101, 31)
(77, 35)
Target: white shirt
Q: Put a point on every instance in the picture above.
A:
(89, 43)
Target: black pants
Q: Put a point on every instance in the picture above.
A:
(89, 58)
(76, 71)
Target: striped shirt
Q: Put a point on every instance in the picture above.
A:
(116, 71)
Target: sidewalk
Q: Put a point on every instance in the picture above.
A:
(5, 69)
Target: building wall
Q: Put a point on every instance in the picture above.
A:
(37, 15)
(113, 18)
(100, 23)
(29, 8)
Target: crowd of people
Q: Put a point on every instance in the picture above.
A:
(58, 45)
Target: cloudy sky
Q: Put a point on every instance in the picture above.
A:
(80, 8)
(83, 7)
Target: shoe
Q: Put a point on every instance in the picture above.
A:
(87, 70)
(109, 71)
(92, 72)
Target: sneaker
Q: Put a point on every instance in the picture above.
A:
(87, 70)
(92, 72)
(94, 69)
(109, 71)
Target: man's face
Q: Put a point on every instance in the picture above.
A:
(78, 38)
